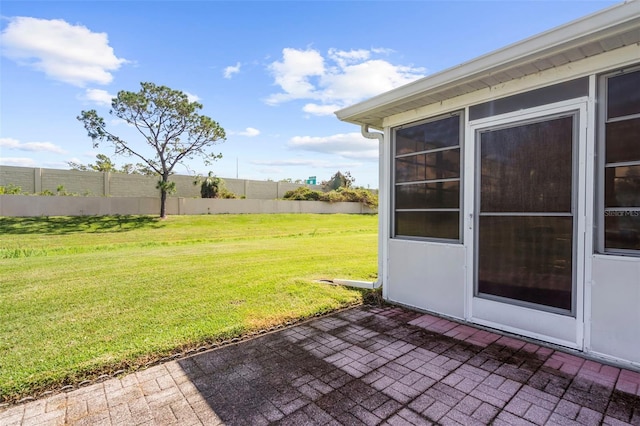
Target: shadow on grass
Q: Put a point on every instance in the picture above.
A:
(60, 225)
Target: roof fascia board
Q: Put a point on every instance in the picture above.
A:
(618, 58)
(583, 30)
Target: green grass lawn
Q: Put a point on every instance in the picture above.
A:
(84, 296)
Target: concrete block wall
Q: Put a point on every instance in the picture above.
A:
(262, 190)
(19, 176)
(185, 186)
(122, 185)
(36, 180)
(237, 186)
(73, 181)
(283, 187)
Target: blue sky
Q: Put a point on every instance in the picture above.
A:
(270, 72)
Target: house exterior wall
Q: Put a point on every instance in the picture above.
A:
(615, 307)
(438, 277)
(427, 276)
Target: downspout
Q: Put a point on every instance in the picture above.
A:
(364, 129)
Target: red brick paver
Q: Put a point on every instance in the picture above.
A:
(363, 366)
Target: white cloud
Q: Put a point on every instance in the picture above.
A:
(343, 57)
(231, 70)
(102, 97)
(98, 96)
(317, 109)
(366, 79)
(30, 146)
(320, 164)
(69, 53)
(17, 161)
(86, 155)
(342, 78)
(270, 171)
(250, 132)
(347, 145)
(291, 162)
(293, 75)
(382, 50)
(55, 165)
(120, 122)
(191, 97)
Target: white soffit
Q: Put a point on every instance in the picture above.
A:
(607, 30)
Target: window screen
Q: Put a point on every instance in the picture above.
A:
(622, 162)
(532, 98)
(427, 160)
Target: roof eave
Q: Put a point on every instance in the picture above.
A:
(614, 19)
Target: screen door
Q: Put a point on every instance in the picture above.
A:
(525, 226)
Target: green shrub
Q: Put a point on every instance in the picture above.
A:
(359, 195)
(210, 186)
(225, 193)
(213, 187)
(10, 189)
(365, 196)
(331, 197)
(61, 190)
(303, 194)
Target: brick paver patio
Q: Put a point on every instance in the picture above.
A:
(363, 366)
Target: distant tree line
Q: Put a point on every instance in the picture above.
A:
(105, 164)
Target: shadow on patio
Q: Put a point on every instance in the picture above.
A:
(391, 365)
(360, 366)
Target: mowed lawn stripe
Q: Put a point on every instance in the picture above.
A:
(71, 316)
(80, 234)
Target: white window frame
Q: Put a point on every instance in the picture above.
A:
(603, 165)
(460, 179)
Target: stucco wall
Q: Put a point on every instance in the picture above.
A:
(33, 205)
(35, 180)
